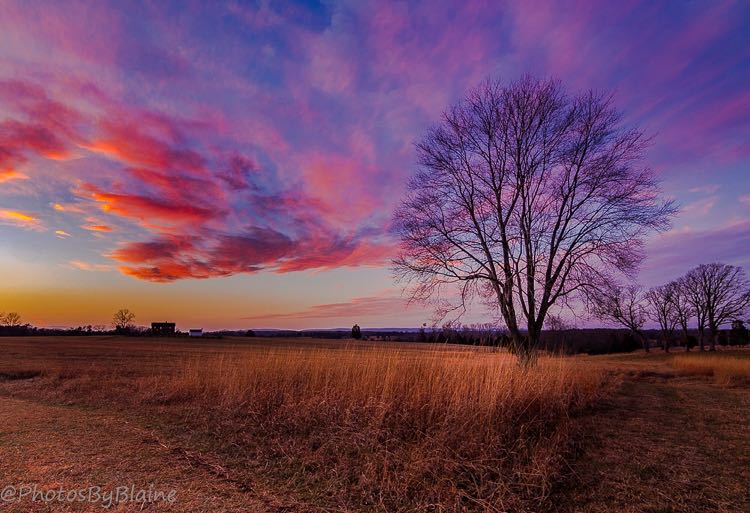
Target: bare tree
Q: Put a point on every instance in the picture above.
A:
(624, 305)
(556, 323)
(684, 309)
(693, 286)
(12, 319)
(526, 197)
(662, 310)
(720, 293)
(123, 319)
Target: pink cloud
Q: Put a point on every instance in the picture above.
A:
(356, 308)
(145, 209)
(88, 266)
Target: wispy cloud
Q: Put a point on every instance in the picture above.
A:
(356, 308)
(675, 252)
(21, 219)
(706, 189)
(101, 228)
(88, 266)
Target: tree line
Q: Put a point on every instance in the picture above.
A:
(707, 297)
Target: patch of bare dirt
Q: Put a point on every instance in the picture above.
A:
(55, 447)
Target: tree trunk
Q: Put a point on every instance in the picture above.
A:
(714, 336)
(701, 336)
(644, 340)
(523, 346)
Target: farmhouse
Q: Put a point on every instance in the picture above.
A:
(163, 329)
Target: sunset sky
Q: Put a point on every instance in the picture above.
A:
(236, 165)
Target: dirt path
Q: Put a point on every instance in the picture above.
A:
(666, 444)
(58, 446)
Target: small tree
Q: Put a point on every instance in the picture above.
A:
(721, 292)
(356, 332)
(422, 337)
(624, 305)
(684, 309)
(693, 288)
(663, 311)
(12, 320)
(123, 320)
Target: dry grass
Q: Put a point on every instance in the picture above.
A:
(359, 428)
(726, 368)
(398, 430)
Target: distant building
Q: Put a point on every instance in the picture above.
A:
(163, 329)
(196, 332)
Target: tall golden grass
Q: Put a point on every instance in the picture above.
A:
(393, 430)
(726, 369)
(334, 428)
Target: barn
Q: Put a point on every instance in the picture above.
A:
(163, 329)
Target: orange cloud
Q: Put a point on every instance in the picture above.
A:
(97, 228)
(6, 175)
(67, 207)
(23, 220)
(18, 139)
(218, 211)
(127, 143)
(178, 257)
(144, 208)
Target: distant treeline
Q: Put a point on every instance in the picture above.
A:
(568, 341)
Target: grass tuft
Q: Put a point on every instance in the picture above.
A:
(726, 369)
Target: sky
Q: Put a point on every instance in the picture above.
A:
(236, 164)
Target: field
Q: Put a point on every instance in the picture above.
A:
(300, 425)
